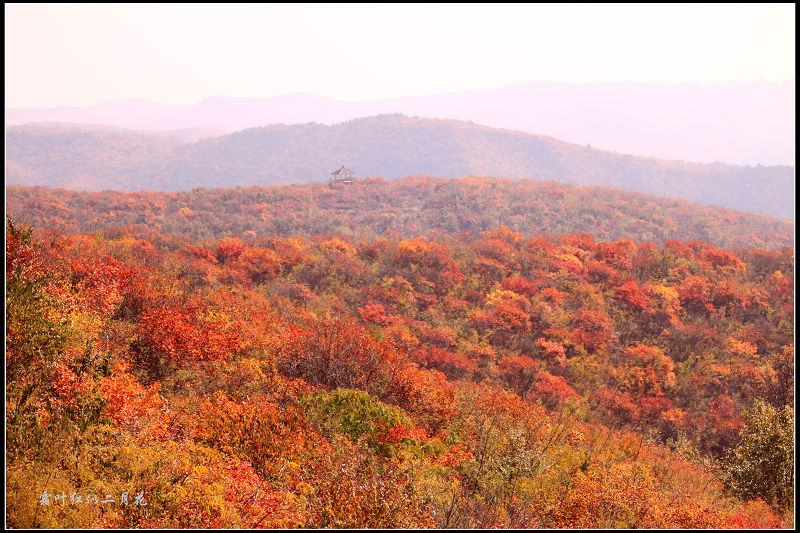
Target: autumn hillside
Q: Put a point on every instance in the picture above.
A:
(390, 146)
(423, 352)
(486, 380)
(406, 207)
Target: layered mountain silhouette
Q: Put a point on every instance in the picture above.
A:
(388, 146)
(740, 123)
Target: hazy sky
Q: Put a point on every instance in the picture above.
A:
(81, 54)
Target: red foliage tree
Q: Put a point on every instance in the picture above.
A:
(593, 329)
(184, 334)
(519, 372)
(552, 390)
(630, 293)
(230, 249)
(337, 353)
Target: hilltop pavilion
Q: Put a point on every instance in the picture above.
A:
(343, 175)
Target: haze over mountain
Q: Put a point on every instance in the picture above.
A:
(183, 134)
(739, 123)
(388, 146)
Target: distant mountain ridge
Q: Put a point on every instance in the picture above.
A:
(183, 134)
(389, 146)
(739, 123)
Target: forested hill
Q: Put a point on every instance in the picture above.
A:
(405, 208)
(390, 146)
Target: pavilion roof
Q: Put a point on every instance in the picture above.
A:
(341, 171)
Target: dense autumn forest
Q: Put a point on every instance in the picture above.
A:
(306, 357)
(390, 146)
(401, 208)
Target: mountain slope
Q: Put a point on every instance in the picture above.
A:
(390, 146)
(406, 207)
